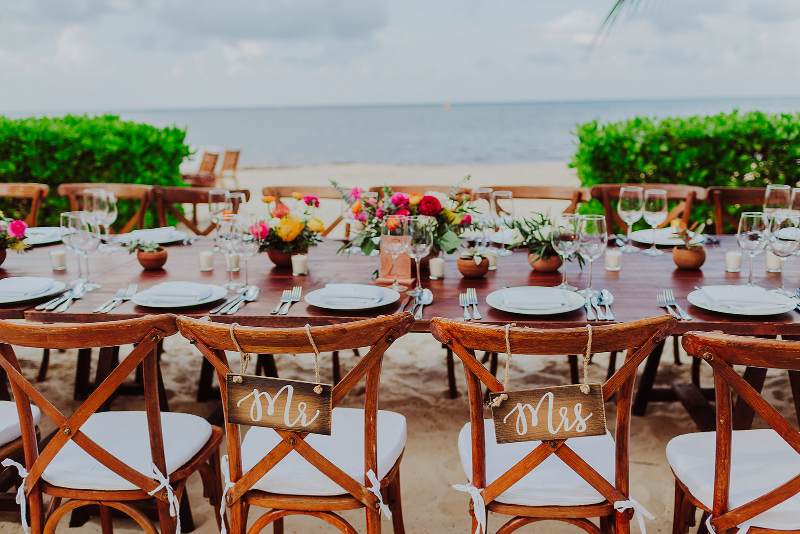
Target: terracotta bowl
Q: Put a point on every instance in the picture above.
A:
(469, 269)
(152, 261)
(549, 265)
(280, 259)
(689, 258)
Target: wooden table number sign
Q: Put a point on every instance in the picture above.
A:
(390, 270)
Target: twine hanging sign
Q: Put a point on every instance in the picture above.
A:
(293, 405)
(558, 412)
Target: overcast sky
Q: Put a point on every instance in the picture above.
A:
(128, 54)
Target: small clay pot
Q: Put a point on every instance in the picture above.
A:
(2, 256)
(469, 269)
(689, 258)
(152, 261)
(549, 265)
(279, 258)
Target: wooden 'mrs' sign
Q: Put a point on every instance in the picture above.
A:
(277, 403)
(558, 412)
(390, 270)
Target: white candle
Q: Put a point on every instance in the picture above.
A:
(299, 264)
(733, 261)
(58, 258)
(232, 262)
(774, 263)
(613, 259)
(436, 267)
(492, 261)
(206, 260)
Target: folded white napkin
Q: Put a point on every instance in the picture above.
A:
(751, 298)
(354, 294)
(163, 233)
(24, 286)
(530, 300)
(175, 294)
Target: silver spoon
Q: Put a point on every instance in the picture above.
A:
(250, 295)
(607, 299)
(425, 299)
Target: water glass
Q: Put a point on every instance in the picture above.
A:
(483, 217)
(564, 239)
(420, 232)
(784, 241)
(777, 200)
(655, 213)
(395, 240)
(592, 241)
(630, 207)
(752, 236)
(81, 236)
(503, 202)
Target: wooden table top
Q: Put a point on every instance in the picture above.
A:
(634, 288)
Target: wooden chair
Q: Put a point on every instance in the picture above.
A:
(520, 491)
(747, 480)
(205, 175)
(35, 193)
(140, 194)
(421, 189)
(684, 195)
(230, 164)
(271, 476)
(11, 447)
(323, 193)
(721, 199)
(575, 195)
(108, 458)
(168, 200)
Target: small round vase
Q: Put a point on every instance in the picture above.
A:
(689, 258)
(548, 265)
(279, 258)
(469, 269)
(152, 261)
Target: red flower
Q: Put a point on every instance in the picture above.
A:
(429, 206)
(467, 220)
(280, 211)
(16, 228)
(260, 230)
(403, 212)
(311, 200)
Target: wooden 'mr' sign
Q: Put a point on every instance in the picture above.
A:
(559, 412)
(277, 403)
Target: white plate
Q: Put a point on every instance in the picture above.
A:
(318, 297)
(784, 304)
(42, 235)
(665, 237)
(55, 288)
(571, 301)
(214, 294)
(161, 236)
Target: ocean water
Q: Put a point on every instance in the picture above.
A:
(421, 134)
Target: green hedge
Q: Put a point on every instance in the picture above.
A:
(87, 149)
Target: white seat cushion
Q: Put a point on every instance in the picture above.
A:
(9, 421)
(125, 435)
(344, 447)
(760, 462)
(551, 483)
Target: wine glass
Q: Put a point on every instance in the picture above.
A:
(783, 242)
(777, 200)
(234, 200)
(231, 247)
(483, 203)
(395, 241)
(250, 240)
(503, 217)
(592, 240)
(216, 210)
(420, 232)
(81, 236)
(655, 213)
(630, 206)
(752, 236)
(564, 239)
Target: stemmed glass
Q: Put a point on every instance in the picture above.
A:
(216, 209)
(231, 246)
(565, 242)
(503, 217)
(752, 236)
(80, 236)
(483, 204)
(777, 200)
(395, 240)
(250, 240)
(420, 232)
(630, 206)
(234, 200)
(655, 213)
(592, 240)
(783, 242)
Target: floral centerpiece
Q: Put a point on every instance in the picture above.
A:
(291, 229)
(12, 235)
(535, 234)
(452, 213)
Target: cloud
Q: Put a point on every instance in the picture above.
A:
(72, 49)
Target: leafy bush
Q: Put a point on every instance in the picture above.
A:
(56, 150)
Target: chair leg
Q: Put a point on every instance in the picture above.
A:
(82, 370)
(574, 376)
(396, 505)
(452, 389)
(696, 371)
(337, 369)
(106, 520)
(205, 390)
(187, 521)
(606, 526)
(702, 528)
(676, 350)
(373, 521)
(622, 523)
(277, 526)
(612, 364)
(679, 511)
(42, 375)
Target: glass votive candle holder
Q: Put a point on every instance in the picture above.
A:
(206, 260)
(733, 261)
(299, 264)
(436, 267)
(58, 259)
(613, 259)
(774, 263)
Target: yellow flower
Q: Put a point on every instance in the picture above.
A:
(289, 228)
(297, 196)
(316, 225)
(414, 199)
(449, 216)
(268, 199)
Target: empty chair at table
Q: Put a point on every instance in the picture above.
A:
(728, 202)
(169, 202)
(108, 458)
(291, 472)
(747, 480)
(139, 196)
(573, 196)
(589, 478)
(28, 193)
(205, 175)
(229, 168)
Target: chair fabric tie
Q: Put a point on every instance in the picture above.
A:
(228, 485)
(743, 528)
(21, 499)
(478, 505)
(375, 489)
(172, 499)
(638, 511)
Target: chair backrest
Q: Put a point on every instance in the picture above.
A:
(638, 337)
(322, 192)
(575, 195)
(145, 333)
(458, 192)
(727, 202)
(208, 163)
(213, 339)
(141, 195)
(722, 352)
(230, 162)
(36, 193)
(684, 195)
(169, 199)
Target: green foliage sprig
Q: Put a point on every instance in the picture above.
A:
(535, 233)
(142, 246)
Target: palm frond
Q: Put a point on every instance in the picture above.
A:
(613, 15)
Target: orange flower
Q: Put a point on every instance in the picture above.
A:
(280, 211)
(414, 199)
(356, 207)
(268, 199)
(297, 196)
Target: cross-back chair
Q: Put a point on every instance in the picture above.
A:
(323, 193)
(575, 195)
(140, 195)
(205, 176)
(169, 199)
(747, 480)
(459, 192)
(590, 474)
(295, 473)
(684, 195)
(230, 164)
(111, 459)
(35, 193)
(722, 199)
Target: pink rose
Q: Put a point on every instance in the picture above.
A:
(466, 220)
(355, 193)
(379, 213)
(361, 217)
(260, 230)
(311, 200)
(372, 201)
(400, 200)
(16, 228)
(403, 212)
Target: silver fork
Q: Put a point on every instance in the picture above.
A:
(127, 294)
(670, 299)
(286, 296)
(462, 301)
(472, 298)
(661, 300)
(109, 302)
(297, 292)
